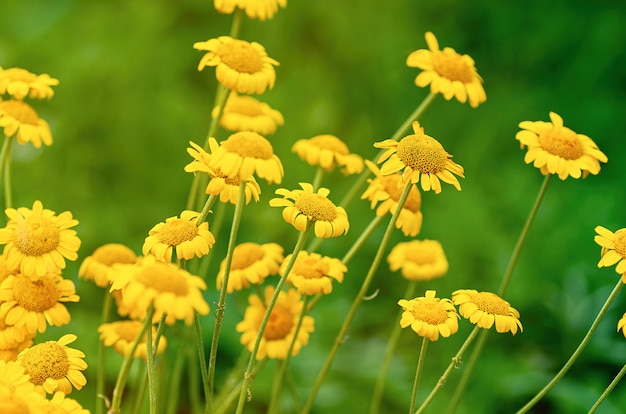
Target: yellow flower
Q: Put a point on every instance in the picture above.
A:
(97, 266)
(241, 66)
(281, 326)
(121, 334)
(14, 337)
(251, 263)
(245, 113)
(418, 259)
(613, 249)
(53, 366)
(5, 270)
(419, 154)
(220, 184)
(60, 404)
(556, 149)
(17, 393)
(486, 308)
(189, 239)
(37, 241)
(448, 73)
(388, 189)
(30, 303)
(429, 316)
(19, 119)
(20, 83)
(255, 9)
(313, 273)
(328, 151)
(309, 206)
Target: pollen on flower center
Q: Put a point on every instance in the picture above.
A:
(35, 296)
(164, 279)
(562, 142)
(178, 231)
(36, 236)
(431, 313)
(47, 360)
(423, 154)
(249, 144)
(620, 242)
(279, 324)
(311, 268)
(491, 303)
(240, 56)
(330, 142)
(316, 207)
(390, 184)
(451, 66)
(20, 111)
(246, 255)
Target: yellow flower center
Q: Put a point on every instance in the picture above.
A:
(279, 324)
(310, 268)
(330, 142)
(491, 303)
(22, 112)
(620, 242)
(163, 278)
(114, 253)
(452, 66)
(178, 231)
(240, 56)
(562, 142)
(390, 184)
(316, 207)
(246, 255)
(422, 153)
(420, 256)
(47, 360)
(35, 296)
(430, 312)
(36, 236)
(13, 404)
(249, 144)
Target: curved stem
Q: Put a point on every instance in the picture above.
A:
(608, 390)
(100, 379)
(418, 373)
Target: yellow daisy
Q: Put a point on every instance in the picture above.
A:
(53, 366)
(388, 189)
(37, 241)
(313, 273)
(613, 249)
(486, 308)
(18, 403)
(281, 326)
(182, 234)
(429, 316)
(97, 266)
(60, 404)
(328, 151)
(241, 66)
(5, 270)
(20, 83)
(251, 263)
(245, 113)
(14, 337)
(447, 73)
(121, 335)
(255, 9)
(418, 259)
(19, 119)
(29, 303)
(309, 206)
(556, 149)
(17, 393)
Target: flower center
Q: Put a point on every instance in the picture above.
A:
(36, 236)
(422, 153)
(163, 278)
(562, 142)
(20, 111)
(279, 324)
(390, 184)
(246, 255)
(249, 144)
(35, 296)
(316, 207)
(47, 360)
(620, 242)
(430, 312)
(452, 66)
(491, 303)
(310, 268)
(178, 231)
(114, 253)
(330, 142)
(240, 56)
(420, 256)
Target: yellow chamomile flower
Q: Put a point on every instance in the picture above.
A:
(13, 337)
(255, 9)
(53, 366)
(418, 259)
(419, 154)
(447, 73)
(556, 149)
(121, 335)
(19, 119)
(486, 308)
(281, 326)
(313, 273)
(251, 264)
(241, 66)
(20, 83)
(60, 404)
(17, 393)
(29, 303)
(613, 249)
(97, 266)
(304, 206)
(328, 151)
(181, 234)
(220, 184)
(245, 113)
(37, 241)
(388, 189)
(429, 316)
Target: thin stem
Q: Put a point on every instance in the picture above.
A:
(577, 352)
(175, 382)
(235, 27)
(206, 209)
(5, 171)
(201, 356)
(608, 390)
(141, 392)
(152, 391)
(317, 180)
(100, 379)
(418, 373)
(225, 403)
(362, 238)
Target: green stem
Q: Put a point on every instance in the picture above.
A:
(235, 27)
(418, 373)
(317, 180)
(5, 171)
(175, 382)
(608, 390)
(362, 238)
(201, 357)
(152, 391)
(100, 379)
(141, 392)
(577, 352)
(206, 209)
(225, 403)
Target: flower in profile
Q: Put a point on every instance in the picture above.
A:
(304, 206)
(255, 9)
(328, 152)
(486, 308)
(189, 240)
(17, 393)
(29, 304)
(53, 366)
(556, 149)
(37, 241)
(241, 66)
(613, 249)
(447, 73)
(419, 154)
(120, 336)
(19, 119)
(251, 264)
(281, 326)
(418, 259)
(60, 404)
(429, 316)
(388, 189)
(313, 273)
(20, 83)
(245, 113)
(97, 266)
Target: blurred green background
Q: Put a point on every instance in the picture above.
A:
(130, 99)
